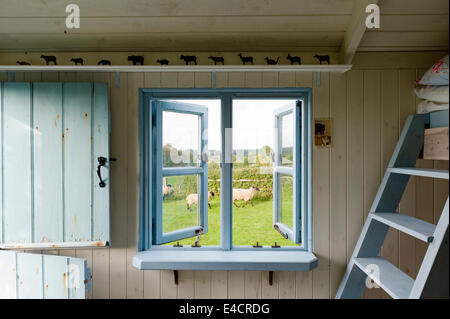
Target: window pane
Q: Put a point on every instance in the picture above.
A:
(287, 137)
(253, 145)
(181, 143)
(180, 209)
(212, 237)
(286, 184)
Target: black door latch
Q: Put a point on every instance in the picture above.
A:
(102, 162)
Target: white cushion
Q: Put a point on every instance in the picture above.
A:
(437, 94)
(429, 106)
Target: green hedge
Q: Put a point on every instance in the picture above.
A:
(243, 177)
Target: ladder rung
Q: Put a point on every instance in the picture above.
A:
(425, 172)
(407, 224)
(394, 281)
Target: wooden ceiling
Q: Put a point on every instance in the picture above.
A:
(218, 25)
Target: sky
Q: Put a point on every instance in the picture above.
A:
(253, 125)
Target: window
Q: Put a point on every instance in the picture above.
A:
(186, 170)
(187, 181)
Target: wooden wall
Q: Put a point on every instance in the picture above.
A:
(368, 106)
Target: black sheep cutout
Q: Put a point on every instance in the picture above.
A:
(22, 63)
(163, 62)
(324, 58)
(294, 59)
(217, 59)
(136, 59)
(48, 59)
(246, 59)
(104, 62)
(189, 58)
(77, 60)
(271, 61)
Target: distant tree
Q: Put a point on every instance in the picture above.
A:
(265, 155)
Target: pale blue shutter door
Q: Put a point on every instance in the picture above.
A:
(52, 135)
(34, 276)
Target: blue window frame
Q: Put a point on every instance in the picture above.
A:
(288, 222)
(160, 171)
(153, 256)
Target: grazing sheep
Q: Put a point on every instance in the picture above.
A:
(244, 194)
(167, 191)
(192, 199)
(167, 188)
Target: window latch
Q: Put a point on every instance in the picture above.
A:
(282, 233)
(199, 234)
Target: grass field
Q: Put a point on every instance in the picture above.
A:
(250, 224)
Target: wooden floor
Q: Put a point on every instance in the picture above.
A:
(368, 107)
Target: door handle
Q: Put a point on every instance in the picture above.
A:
(102, 162)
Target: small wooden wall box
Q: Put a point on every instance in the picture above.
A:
(436, 144)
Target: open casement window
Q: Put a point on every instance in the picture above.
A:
(181, 169)
(54, 160)
(288, 171)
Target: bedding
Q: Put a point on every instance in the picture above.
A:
(437, 74)
(438, 94)
(428, 106)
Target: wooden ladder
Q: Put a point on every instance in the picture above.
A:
(365, 263)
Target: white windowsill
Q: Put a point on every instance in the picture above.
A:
(267, 260)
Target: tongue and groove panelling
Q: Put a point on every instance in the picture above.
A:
(50, 144)
(337, 224)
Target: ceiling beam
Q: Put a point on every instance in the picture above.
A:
(355, 31)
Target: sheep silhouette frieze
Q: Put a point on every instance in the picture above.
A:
(136, 59)
(189, 58)
(246, 59)
(104, 62)
(77, 60)
(163, 61)
(294, 59)
(271, 61)
(217, 59)
(48, 59)
(323, 58)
